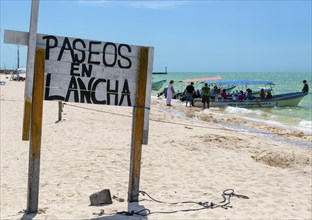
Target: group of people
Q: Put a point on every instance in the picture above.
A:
(248, 95)
(206, 93)
(189, 93)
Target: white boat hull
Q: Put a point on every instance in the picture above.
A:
(289, 99)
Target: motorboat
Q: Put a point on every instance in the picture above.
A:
(276, 100)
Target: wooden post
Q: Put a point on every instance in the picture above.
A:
(148, 94)
(137, 128)
(60, 110)
(35, 133)
(30, 68)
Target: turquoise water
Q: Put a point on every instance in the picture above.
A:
(298, 118)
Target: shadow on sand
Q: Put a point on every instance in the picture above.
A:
(29, 216)
(132, 207)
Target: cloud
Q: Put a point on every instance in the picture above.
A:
(97, 3)
(154, 5)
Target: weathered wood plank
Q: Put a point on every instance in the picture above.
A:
(16, 37)
(63, 81)
(90, 89)
(31, 50)
(26, 119)
(21, 38)
(64, 67)
(100, 98)
(60, 110)
(35, 135)
(148, 94)
(137, 128)
(112, 60)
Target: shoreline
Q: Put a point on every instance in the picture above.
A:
(234, 123)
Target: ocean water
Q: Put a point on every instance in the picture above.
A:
(298, 118)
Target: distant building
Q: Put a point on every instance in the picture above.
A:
(6, 71)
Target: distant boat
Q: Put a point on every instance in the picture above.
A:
(161, 72)
(206, 79)
(280, 100)
(156, 85)
(287, 99)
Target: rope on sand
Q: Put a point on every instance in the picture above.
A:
(130, 116)
(225, 204)
(97, 110)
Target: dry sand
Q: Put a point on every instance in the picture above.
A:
(186, 160)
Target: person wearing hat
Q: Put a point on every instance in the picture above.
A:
(305, 88)
(205, 95)
(170, 92)
(189, 91)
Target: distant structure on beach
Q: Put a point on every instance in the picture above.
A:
(6, 71)
(161, 72)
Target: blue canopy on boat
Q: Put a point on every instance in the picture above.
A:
(242, 82)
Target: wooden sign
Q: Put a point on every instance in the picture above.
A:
(86, 71)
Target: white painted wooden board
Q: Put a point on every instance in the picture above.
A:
(76, 69)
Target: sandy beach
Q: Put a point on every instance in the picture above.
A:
(186, 161)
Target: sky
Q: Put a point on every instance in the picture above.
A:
(187, 36)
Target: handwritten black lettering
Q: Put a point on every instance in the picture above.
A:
(73, 67)
(93, 95)
(84, 92)
(104, 54)
(84, 85)
(92, 52)
(124, 57)
(125, 92)
(85, 70)
(82, 52)
(73, 87)
(49, 45)
(66, 46)
(112, 92)
(47, 90)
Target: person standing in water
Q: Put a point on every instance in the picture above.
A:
(189, 92)
(205, 95)
(170, 92)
